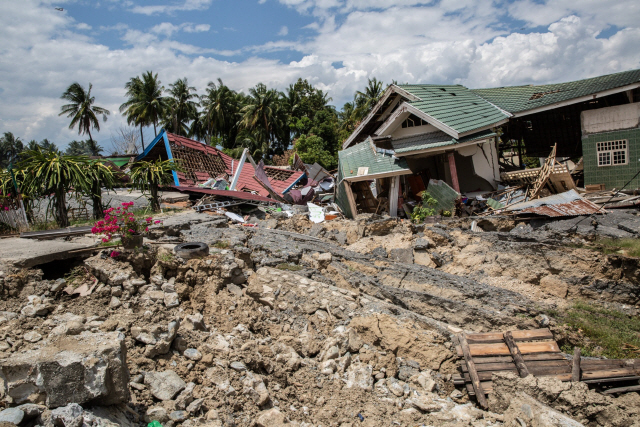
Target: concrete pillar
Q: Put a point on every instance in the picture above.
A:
(454, 172)
(393, 196)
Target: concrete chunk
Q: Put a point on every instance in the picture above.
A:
(80, 369)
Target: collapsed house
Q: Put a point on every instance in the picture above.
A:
(421, 135)
(205, 170)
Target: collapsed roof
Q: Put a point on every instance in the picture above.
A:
(201, 162)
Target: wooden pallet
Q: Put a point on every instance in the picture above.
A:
(535, 352)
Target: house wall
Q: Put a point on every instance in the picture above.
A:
(610, 119)
(485, 162)
(612, 176)
(611, 124)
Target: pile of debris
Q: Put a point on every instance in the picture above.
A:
(296, 323)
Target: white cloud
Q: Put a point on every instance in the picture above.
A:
(453, 41)
(283, 31)
(186, 5)
(83, 26)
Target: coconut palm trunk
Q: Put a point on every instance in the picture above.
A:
(96, 200)
(155, 201)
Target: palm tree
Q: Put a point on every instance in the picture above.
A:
(182, 109)
(81, 110)
(220, 110)
(259, 114)
(366, 100)
(99, 176)
(10, 148)
(146, 105)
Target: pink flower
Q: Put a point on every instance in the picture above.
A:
(6, 208)
(132, 231)
(157, 222)
(146, 229)
(114, 254)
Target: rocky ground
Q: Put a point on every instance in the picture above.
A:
(343, 323)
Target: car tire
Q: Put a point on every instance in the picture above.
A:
(191, 250)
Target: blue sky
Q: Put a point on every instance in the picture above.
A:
(335, 44)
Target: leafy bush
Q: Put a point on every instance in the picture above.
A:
(424, 209)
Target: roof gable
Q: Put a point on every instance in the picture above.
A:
(457, 109)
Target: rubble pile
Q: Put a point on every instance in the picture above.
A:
(341, 323)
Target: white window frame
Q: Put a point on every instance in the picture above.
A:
(608, 153)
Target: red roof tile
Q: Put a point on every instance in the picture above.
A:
(242, 195)
(245, 180)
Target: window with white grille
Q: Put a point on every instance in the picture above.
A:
(612, 153)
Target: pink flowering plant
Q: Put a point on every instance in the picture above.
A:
(121, 221)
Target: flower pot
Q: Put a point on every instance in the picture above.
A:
(132, 242)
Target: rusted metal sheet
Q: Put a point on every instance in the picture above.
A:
(575, 208)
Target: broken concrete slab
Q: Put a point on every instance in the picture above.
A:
(90, 367)
(26, 253)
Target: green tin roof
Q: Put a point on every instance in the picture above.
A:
(366, 155)
(516, 99)
(120, 161)
(455, 106)
(433, 140)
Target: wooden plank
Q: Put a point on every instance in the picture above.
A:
(535, 370)
(511, 366)
(527, 335)
(621, 363)
(486, 385)
(541, 372)
(575, 367)
(610, 380)
(623, 389)
(492, 359)
(542, 356)
(515, 353)
(475, 381)
(501, 349)
(610, 373)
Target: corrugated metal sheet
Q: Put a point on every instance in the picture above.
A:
(575, 208)
(242, 195)
(569, 203)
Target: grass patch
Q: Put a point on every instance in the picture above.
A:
(221, 244)
(628, 246)
(111, 243)
(617, 333)
(166, 257)
(289, 267)
(78, 276)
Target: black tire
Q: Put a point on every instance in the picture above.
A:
(191, 250)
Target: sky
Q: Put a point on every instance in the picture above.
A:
(335, 44)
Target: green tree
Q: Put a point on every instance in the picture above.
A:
(10, 149)
(99, 176)
(220, 113)
(82, 112)
(84, 148)
(365, 101)
(45, 145)
(49, 174)
(181, 107)
(260, 114)
(145, 105)
(148, 177)
(312, 149)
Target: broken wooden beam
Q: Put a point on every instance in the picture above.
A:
(475, 381)
(515, 353)
(575, 371)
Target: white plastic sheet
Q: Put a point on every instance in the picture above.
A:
(316, 214)
(234, 216)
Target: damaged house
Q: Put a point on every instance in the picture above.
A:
(202, 164)
(445, 137)
(415, 135)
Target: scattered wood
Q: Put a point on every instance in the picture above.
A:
(473, 374)
(533, 352)
(575, 372)
(515, 353)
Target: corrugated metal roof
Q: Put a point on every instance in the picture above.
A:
(365, 155)
(434, 140)
(455, 106)
(569, 203)
(516, 99)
